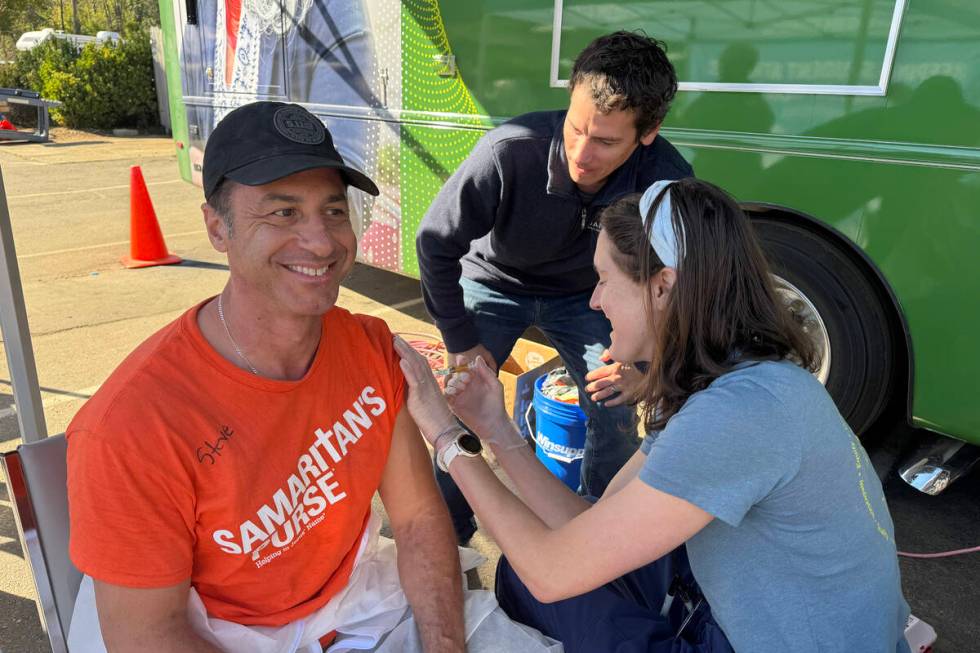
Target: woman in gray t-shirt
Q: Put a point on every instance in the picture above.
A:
(747, 461)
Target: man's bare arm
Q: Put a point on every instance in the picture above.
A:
(428, 561)
(147, 619)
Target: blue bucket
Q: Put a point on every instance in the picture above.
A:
(559, 435)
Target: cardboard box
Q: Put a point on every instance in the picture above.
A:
(526, 363)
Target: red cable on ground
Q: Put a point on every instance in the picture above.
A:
(432, 347)
(941, 554)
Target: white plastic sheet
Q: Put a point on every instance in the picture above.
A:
(370, 614)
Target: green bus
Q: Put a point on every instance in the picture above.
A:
(850, 132)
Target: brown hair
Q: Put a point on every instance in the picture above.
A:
(627, 71)
(722, 309)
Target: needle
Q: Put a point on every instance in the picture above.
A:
(455, 369)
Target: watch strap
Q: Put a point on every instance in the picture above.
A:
(448, 454)
(452, 449)
(449, 434)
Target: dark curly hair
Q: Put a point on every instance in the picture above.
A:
(628, 71)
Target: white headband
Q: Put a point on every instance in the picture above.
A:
(664, 241)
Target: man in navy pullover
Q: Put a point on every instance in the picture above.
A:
(508, 241)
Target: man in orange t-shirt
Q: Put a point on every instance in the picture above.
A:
(237, 450)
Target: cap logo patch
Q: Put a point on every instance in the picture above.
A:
(299, 126)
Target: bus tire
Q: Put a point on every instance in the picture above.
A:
(851, 308)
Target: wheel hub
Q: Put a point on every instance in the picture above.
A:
(807, 316)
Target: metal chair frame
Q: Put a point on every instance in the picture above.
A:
(32, 540)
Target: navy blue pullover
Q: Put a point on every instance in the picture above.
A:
(511, 218)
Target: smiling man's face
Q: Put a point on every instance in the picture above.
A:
(289, 242)
(597, 143)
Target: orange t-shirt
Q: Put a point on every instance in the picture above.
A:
(185, 466)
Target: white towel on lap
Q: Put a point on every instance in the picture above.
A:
(370, 614)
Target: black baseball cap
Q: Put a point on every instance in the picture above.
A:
(264, 141)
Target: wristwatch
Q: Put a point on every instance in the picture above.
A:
(464, 444)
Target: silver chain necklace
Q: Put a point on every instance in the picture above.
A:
(238, 350)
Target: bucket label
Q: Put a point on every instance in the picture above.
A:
(558, 451)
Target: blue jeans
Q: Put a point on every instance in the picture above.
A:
(623, 615)
(580, 335)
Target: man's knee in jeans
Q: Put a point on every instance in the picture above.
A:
(619, 420)
(611, 439)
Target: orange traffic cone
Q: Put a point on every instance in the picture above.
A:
(146, 246)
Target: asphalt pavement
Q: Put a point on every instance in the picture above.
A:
(70, 213)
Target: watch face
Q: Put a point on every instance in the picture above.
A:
(470, 443)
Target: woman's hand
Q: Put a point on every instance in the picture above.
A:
(477, 397)
(614, 384)
(425, 401)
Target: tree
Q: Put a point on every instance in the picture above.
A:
(83, 16)
(14, 14)
(76, 26)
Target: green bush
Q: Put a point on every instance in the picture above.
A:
(25, 72)
(102, 87)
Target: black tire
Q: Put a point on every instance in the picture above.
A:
(863, 347)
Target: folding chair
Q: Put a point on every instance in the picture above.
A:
(37, 479)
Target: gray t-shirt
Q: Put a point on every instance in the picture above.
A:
(800, 557)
